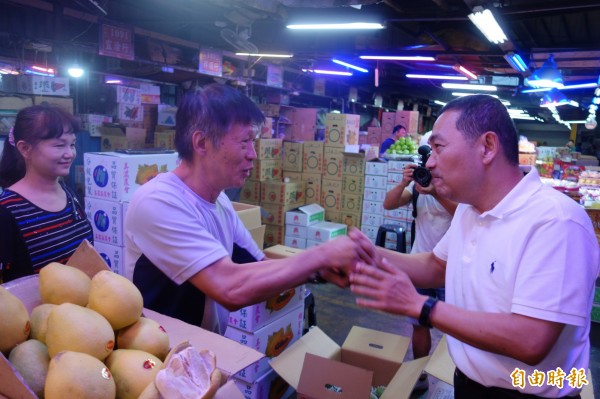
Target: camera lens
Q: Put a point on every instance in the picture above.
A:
(422, 176)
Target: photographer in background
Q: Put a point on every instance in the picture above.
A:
(432, 216)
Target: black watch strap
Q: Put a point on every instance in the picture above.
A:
(424, 317)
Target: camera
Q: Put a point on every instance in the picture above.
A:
(421, 174)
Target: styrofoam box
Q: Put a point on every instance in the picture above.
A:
(115, 176)
(270, 385)
(113, 255)
(394, 178)
(312, 243)
(374, 181)
(106, 218)
(397, 166)
(370, 231)
(295, 242)
(295, 231)
(375, 194)
(271, 339)
(325, 231)
(253, 317)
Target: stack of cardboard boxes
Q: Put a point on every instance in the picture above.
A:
(110, 180)
(269, 327)
(297, 222)
(401, 216)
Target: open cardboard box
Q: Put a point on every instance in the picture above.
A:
(231, 356)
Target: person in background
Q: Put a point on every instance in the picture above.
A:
(397, 132)
(181, 229)
(41, 220)
(432, 216)
(519, 263)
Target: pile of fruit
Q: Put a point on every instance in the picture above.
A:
(88, 339)
(402, 146)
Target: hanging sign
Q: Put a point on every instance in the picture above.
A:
(274, 76)
(116, 41)
(210, 62)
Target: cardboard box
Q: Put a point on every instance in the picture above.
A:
(284, 193)
(291, 175)
(351, 219)
(325, 231)
(408, 119)
(231, 356)
(166, 115)
(274, 214)
(113, 255)
(271, 339)
(107, 219)
(341, 130)
(274, 235)
(130, 112)
(294, 231)
(118, 137)
(333, 163)
(351, 203)
(374, 194)
(376, 167)
(258, 235)
(353, 184)
(281, 252)
(249, 214)
(374, 181)
(354, 164)
(313, 187)
(295, 242)
(15, 102)
(293, 156)
(374, 135)
(269, 386)
(268, 148)
(306, 215)
(250, 193)
(313, 157)
(254, 317)
(266, 169)
(164, 139)
(388, 121)
(331, 194)
(266, 129)
(114, 176)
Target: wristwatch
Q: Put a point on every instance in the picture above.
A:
(424, 317)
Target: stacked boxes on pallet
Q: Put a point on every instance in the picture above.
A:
(111, 178)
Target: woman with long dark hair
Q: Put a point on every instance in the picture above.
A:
(41, 220)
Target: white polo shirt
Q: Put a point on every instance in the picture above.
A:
(534, 254)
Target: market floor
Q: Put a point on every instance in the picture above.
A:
(336, 313)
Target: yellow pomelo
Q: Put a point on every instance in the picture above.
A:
(132, 370)
(61, 283)
(115, 298)
(39, 321)
(76, 375)
(146, 335)
(14, 321)
(31, 360)
(75, 328)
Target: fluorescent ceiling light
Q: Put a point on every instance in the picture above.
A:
(75, 71)
(484, 21)
(347, 65)
(350, 25)
(459, 94)
(398, 57)
(565, 87)
(442, 77)
(467, 86)
(516, 62)
(461, 69)
(576, 122)
(328, 72)
(265, 55)
(439, 102)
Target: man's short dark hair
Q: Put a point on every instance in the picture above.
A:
(212, 109)
(482, 113)
(397, 128)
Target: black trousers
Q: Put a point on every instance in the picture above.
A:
(466, 388)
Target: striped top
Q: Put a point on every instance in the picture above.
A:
(31, 237)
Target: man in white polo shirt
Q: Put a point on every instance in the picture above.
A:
(519, 263)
